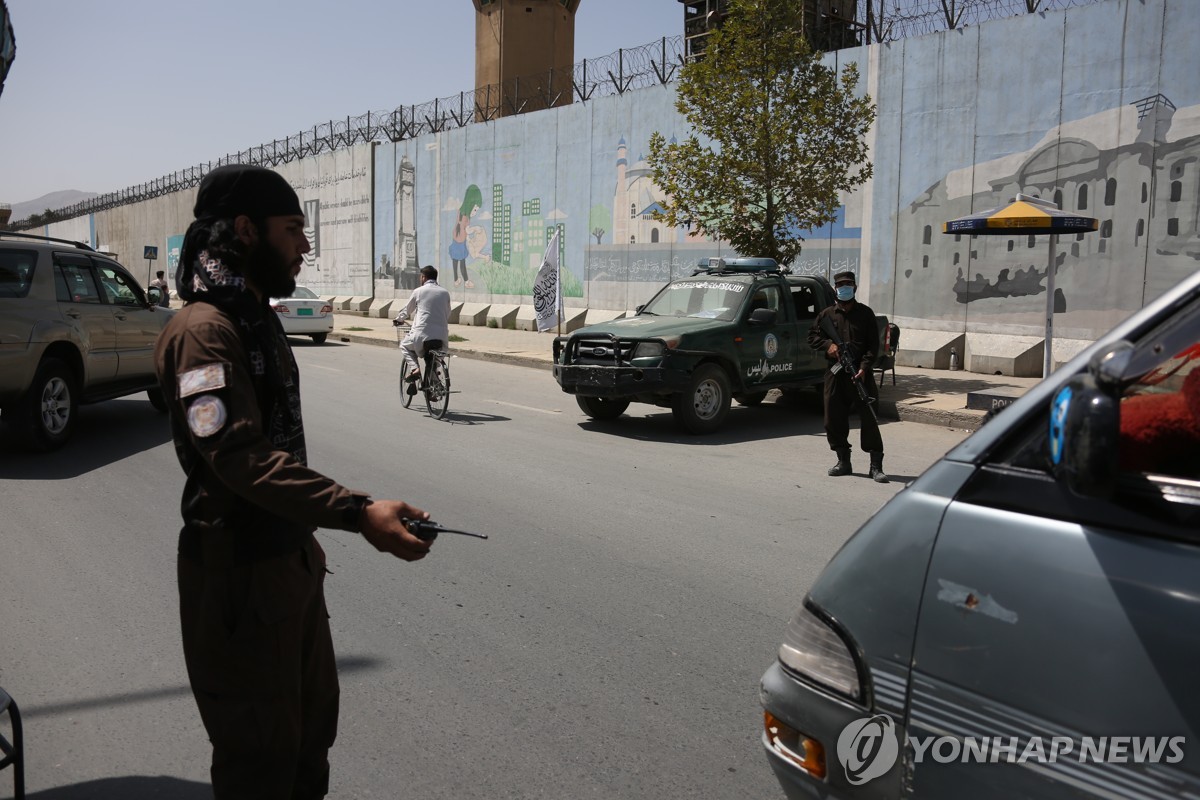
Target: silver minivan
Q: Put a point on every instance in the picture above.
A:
(1023, 620)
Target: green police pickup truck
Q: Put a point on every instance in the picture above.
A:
(734, 330)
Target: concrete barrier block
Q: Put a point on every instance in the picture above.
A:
(1063, 350)
(455, 311)
(340, 303)
(359, 304)
(473, 313)
(1000, 354)
(598, 315)
(930, 349)
(573, 319)
(502, 316)
(526, 319)
(380, 308)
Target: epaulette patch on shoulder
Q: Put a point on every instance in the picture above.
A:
(202, 379)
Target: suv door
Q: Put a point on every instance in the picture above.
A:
(137, 324)
(766, 353)
(82, 302)
(805, 302)
(1048, 614)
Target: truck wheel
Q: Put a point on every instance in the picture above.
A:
(47, 413)
(703, 407)
(602, 407)
(751, 399)
(157, 400)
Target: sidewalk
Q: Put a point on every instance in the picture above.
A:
(931, 396)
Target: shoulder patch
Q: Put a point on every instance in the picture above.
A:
(202, 379)
(206, 415)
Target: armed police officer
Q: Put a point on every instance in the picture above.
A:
(853, 325)
(256, 635)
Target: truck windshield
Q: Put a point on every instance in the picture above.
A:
(700, 298)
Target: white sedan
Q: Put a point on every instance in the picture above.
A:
(304, 314)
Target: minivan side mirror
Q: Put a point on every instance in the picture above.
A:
(1085, 425)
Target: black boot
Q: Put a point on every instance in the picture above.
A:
(877, 473)
(842, 467)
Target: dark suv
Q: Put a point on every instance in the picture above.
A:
(75, 328)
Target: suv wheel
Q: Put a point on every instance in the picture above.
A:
(48, 414)
(602, 407)
(157, 400)
(703, 407)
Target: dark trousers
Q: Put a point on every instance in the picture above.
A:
(260, 660)
(840, 398)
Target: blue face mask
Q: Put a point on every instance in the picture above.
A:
(845, 293)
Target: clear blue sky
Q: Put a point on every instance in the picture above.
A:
(106, 94)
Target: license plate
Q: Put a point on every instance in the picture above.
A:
(304, 312)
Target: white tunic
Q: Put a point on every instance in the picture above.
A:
(429, 309)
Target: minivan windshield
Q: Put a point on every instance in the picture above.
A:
(703, 298)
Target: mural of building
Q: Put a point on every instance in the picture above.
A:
(405, 264)
(635, 200)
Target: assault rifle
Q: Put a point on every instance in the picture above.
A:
(847, 364)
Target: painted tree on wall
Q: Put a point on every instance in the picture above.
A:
(786, 132)
(598, 220)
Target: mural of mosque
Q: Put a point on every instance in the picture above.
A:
(1145, 194)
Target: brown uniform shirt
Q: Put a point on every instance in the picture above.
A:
(857, 327)
(237, 480)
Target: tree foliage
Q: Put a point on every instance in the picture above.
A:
(784, 138)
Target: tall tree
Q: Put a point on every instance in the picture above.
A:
(785, 138)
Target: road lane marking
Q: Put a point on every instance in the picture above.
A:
(527, 408)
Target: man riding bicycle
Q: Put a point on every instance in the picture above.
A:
(429, 308)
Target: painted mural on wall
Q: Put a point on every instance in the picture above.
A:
(335, 193)
(482, 203)
(1111, 138)
(1144, 192)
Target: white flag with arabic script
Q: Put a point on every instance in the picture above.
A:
(547, 294)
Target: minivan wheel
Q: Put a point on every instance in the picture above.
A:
(50, 407)
(702, 408)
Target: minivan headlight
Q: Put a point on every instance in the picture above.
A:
(813, 649)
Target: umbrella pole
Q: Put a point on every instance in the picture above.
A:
(1048, 365)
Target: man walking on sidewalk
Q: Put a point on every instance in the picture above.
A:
(856, 327)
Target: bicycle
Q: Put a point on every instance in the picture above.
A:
(434, 380)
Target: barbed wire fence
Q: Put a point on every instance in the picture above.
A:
(653, 64)
(892, 20)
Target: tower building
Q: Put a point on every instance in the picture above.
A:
(524, 54)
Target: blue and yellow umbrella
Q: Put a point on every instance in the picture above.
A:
(1028, 215)
(1022, 216)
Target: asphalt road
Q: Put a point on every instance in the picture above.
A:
(606, 641)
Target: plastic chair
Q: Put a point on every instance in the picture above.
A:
(14, 752)
(891, 343)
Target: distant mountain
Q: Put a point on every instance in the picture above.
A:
(53, 200)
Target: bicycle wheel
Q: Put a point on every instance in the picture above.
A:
(406, 367)
(437, 388)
